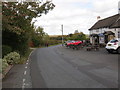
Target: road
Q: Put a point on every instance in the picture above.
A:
(61, 67)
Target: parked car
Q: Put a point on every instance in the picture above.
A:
(69, 43)
(113, 45)
(77, 45)
(74, 44)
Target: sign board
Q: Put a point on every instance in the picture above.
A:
(101, 40)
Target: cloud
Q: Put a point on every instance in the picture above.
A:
(76, 14)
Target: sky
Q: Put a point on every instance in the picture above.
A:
(76, 15)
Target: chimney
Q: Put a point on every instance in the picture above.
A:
(119, 7)
(98, 18)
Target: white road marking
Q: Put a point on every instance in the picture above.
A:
(23, 84)
(24, 80)
(25, 72)
(23, 87)
(30, 54)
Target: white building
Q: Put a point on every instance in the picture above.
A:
(105, 29)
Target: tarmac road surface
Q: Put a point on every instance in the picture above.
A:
(61, 67)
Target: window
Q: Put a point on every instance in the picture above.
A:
(97, 30)
(113, 41)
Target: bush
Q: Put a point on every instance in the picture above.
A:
(0, 65)
(4, 64)
(54, 42)
(5, 50)
(12, 58)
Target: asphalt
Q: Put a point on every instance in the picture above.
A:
(16, 76)
(61, 67)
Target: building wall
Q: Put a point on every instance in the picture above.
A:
(118, 33)
(102, 30)
(98, 31)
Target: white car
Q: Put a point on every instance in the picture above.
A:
(113, 45)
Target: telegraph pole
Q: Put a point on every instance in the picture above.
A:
(62, 33)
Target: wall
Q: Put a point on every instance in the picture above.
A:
(98, 31)
(102, 30)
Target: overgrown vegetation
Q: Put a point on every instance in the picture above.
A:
(5, 50)
(25, 57)
(4, 65)
(39, 38)
(12, 58)
(77, 36)
(17, 29)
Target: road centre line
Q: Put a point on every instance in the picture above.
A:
(25, 72)
(25, 66)
(23, 87)
(24, 80)
(23, 84)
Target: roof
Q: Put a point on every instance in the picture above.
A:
(117, 24)
(107, 22)
(108, 33)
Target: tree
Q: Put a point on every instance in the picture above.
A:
(16, 22)
(39, 37)
(77, 36)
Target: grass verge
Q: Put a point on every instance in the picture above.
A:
(55, 44)
(25, 57)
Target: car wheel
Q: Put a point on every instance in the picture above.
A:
(118, 50)
(109, 51)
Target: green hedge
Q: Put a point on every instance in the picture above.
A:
(5, 50)
(4, 64)
(12, 58)
(54, 42)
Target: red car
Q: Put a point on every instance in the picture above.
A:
(74, 44)
(69, 43)
(77, 42)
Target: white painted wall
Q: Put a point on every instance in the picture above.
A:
(98, 31)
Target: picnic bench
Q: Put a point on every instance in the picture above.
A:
(92, 47)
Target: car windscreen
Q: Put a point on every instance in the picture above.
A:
(113, 41)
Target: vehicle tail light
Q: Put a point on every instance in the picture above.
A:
(115, 43)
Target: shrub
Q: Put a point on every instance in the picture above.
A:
(4, 64)
(0, 65)
(5, 50)
(12, 58)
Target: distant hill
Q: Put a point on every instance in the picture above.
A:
(54, 35)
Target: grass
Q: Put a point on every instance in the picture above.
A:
(55, 44)
(45, 46)
(25, 57)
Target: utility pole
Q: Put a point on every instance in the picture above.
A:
(62, 33)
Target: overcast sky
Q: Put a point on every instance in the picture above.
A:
(76, 15)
